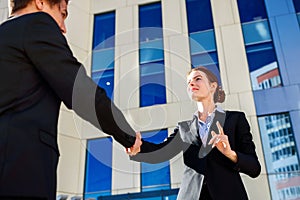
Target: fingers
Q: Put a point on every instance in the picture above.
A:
(224, 145)
(136, 148)
(216, 139)
(221, 132)
(213, 133)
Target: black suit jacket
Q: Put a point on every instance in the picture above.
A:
(221, 174)
(38, 72)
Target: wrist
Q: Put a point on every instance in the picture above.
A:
(233, 156)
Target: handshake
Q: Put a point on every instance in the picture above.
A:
(136, 148)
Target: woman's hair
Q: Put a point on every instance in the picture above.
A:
(19, 4)
(219, 96)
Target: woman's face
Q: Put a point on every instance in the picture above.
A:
(199, 87)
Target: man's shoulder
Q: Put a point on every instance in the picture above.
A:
(37, 16)
(29, 19)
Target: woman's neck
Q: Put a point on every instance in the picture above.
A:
(205, 109)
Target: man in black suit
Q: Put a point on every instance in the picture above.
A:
(37, 73)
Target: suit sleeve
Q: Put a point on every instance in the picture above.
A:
(245, 149)
(49, 52)
(156, 153)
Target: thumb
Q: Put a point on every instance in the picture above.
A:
(213, 133)
(138, 135)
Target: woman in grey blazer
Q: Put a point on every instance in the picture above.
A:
(217, 145)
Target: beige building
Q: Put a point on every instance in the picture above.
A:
(235, 75)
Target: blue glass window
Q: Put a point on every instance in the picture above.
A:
(104, 51)
(297, 9)
(150, 22)
(297, 6)
(98, 171)
(252, 10)
(261, 55)
(281, 155)
(152, 70)
(155, 176)
(199, 15)
(151, 195)
(104, 30)
(201, 34)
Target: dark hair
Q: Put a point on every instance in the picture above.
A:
(219, 95)
(19, 4)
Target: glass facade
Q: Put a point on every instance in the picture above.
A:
(281, 155)
(202, 35)
(151, 55)
(103, 53)
(98, 171)
(261, 56)
(151, 195)
(297, 9)
(155, 176)
(203, 49)
(271, 61)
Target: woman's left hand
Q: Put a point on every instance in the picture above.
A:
(220, 141)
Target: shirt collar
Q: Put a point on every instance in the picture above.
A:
(218, 108)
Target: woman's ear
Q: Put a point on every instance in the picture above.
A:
(39, 4)
(213, 86)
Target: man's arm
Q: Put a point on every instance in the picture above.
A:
(156, 153)
(49, 52)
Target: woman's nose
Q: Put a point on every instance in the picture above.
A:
(191, 83)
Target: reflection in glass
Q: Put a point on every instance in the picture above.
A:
(151, 56)
(251, 10)
(98, 172)
(201, 35)
(170, 194)
(297, 5)
(297, 9)
(155, 176)
(199, 21)
(256, 32)
(261, 55)
(104, 52)
(280, 155)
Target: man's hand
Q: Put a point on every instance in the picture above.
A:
(136, 148)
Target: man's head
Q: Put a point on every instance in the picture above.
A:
(56, 8)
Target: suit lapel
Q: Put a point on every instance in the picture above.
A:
(189, 131)
(219, 117)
